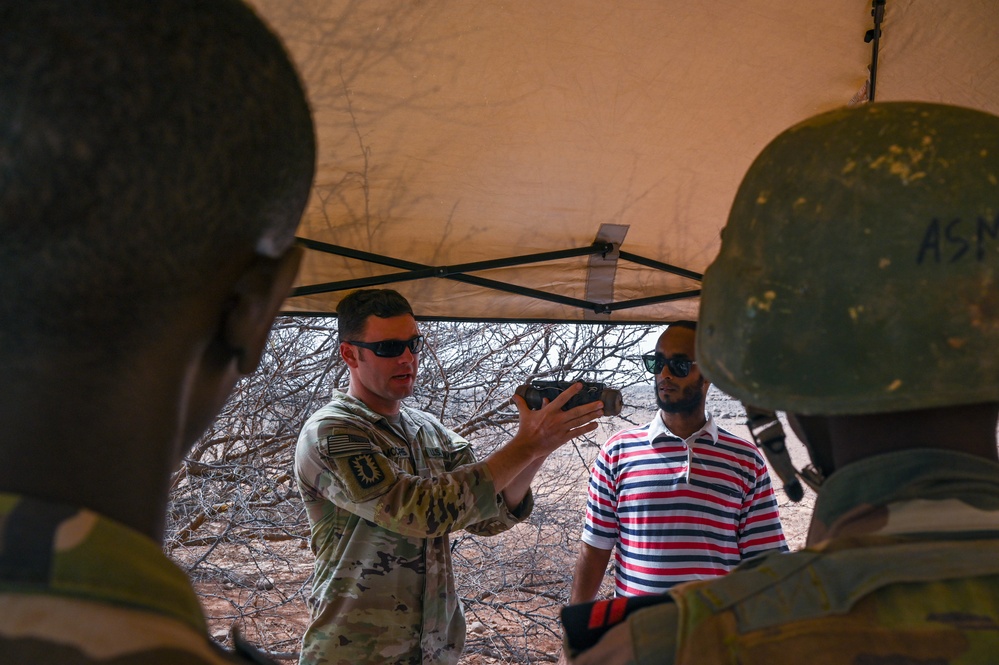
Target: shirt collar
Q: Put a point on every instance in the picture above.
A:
(408, 419)
(658, 428)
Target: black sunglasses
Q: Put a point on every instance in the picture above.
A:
(678, 367)
(393, 348)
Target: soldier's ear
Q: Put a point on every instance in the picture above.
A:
(256, 299)
(349, 354)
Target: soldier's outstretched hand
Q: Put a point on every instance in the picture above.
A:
(549, 427)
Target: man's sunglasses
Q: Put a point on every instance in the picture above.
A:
(392, 348)
(678, 367)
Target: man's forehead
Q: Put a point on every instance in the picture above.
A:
(400, 327)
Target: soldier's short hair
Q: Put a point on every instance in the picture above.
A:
(139, 143)
(354, 310)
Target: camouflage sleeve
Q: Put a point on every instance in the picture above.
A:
(346, 467)
(462, 455)
(460, 451)
(505, 518)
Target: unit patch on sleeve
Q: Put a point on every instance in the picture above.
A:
(366, 471)
(364, 476)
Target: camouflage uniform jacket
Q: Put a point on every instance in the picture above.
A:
(77, 588)
(381, 508)
(904, 569)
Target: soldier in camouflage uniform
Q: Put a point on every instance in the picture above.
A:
(155, 158)
(384, 486)
(856, 289)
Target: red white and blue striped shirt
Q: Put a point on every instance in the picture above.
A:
(679, 510)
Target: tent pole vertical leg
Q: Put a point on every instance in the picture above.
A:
(874, 35)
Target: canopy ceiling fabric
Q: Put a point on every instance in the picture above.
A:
(455, 135)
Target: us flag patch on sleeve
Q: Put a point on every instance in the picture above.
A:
(343, 442)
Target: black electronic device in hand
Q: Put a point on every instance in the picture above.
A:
(536, 392)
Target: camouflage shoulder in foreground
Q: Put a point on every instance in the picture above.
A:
(78, 589)
(910, 575)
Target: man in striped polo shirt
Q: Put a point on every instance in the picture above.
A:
(679, 498)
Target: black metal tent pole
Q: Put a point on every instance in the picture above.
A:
(874, 35)
(414, 271)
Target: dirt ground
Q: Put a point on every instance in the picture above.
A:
(264, 597)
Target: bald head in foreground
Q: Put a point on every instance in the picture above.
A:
(155, 159)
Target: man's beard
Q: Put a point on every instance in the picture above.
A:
(690, 400)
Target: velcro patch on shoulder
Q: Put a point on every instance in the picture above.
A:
(365, 475)
(345, 441)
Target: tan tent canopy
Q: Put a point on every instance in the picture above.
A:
(575, 160)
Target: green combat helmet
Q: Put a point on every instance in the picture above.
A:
(858, 269)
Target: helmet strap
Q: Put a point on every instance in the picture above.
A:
(768, 435)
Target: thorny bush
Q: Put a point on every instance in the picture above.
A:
(237, 526)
